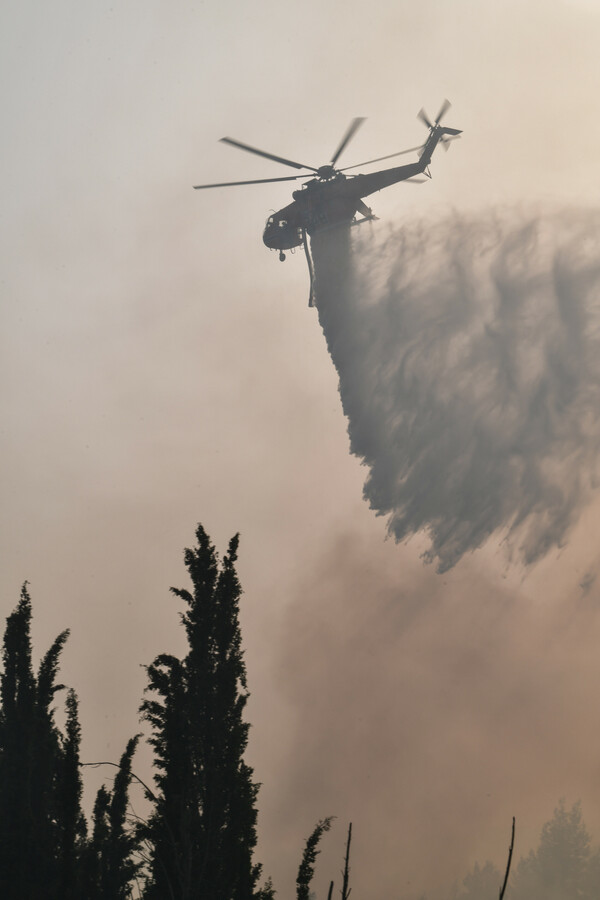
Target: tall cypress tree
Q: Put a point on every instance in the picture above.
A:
(71, 825)
(109, 863)
(17, 729)
(40, 816)
(203, 828)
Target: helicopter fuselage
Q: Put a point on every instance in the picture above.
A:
(322, 204)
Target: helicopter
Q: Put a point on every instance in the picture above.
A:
(330, 198)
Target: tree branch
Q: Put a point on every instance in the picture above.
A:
(94, 765)
(510, 853)
(345, 891)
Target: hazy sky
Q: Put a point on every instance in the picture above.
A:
(160, 367)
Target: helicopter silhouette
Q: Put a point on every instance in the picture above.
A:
(330, 198)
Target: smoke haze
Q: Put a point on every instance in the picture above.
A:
(430, 711)
(468, 353)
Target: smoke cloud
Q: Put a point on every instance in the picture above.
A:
(429, 718)
(468, 354)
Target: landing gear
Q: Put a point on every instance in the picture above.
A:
(281, 256)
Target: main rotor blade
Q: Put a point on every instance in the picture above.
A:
(280, 159)
(200, 187)
(352, 129)
(445, 107)
(422, 115)
(381, 158)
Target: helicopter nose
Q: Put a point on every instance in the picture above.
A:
(281, 235)
(269, 235)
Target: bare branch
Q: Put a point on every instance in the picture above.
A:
(94, 765)
(510, 853)
(345, 891)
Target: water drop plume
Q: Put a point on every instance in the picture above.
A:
(468, 354)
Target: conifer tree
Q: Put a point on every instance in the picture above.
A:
(109, 862)
(93, 869)
(40, 815)
(203, 828)
(306, 869)
(71, 825)
(17, 729)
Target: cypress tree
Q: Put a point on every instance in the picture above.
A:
(93, 869)
(72, 829)
(17, 728)
(121, 867)
(40, 815)
(306, 870)
(109, 864)
(203, 828)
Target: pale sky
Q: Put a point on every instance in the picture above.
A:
(160, 367)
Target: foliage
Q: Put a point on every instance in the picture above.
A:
(109, 862)
(561, 867)
(40, 790)
(44, 851)
(202, 832)
(306, 869)
(267, 891)
(71, 823)
(202, 829)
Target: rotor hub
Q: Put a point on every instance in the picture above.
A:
(326, 173)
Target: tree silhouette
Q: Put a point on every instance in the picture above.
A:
(71, 822)
(306, 869)
(203, 828)
(41, 824)
(109, 864)
(44, 852)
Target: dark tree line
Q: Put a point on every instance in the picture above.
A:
(199, 838)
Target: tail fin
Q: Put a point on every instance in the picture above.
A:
(436, 134)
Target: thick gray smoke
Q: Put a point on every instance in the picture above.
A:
(468, 353)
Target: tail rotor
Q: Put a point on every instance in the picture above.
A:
(422, 115)
(444, 135)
